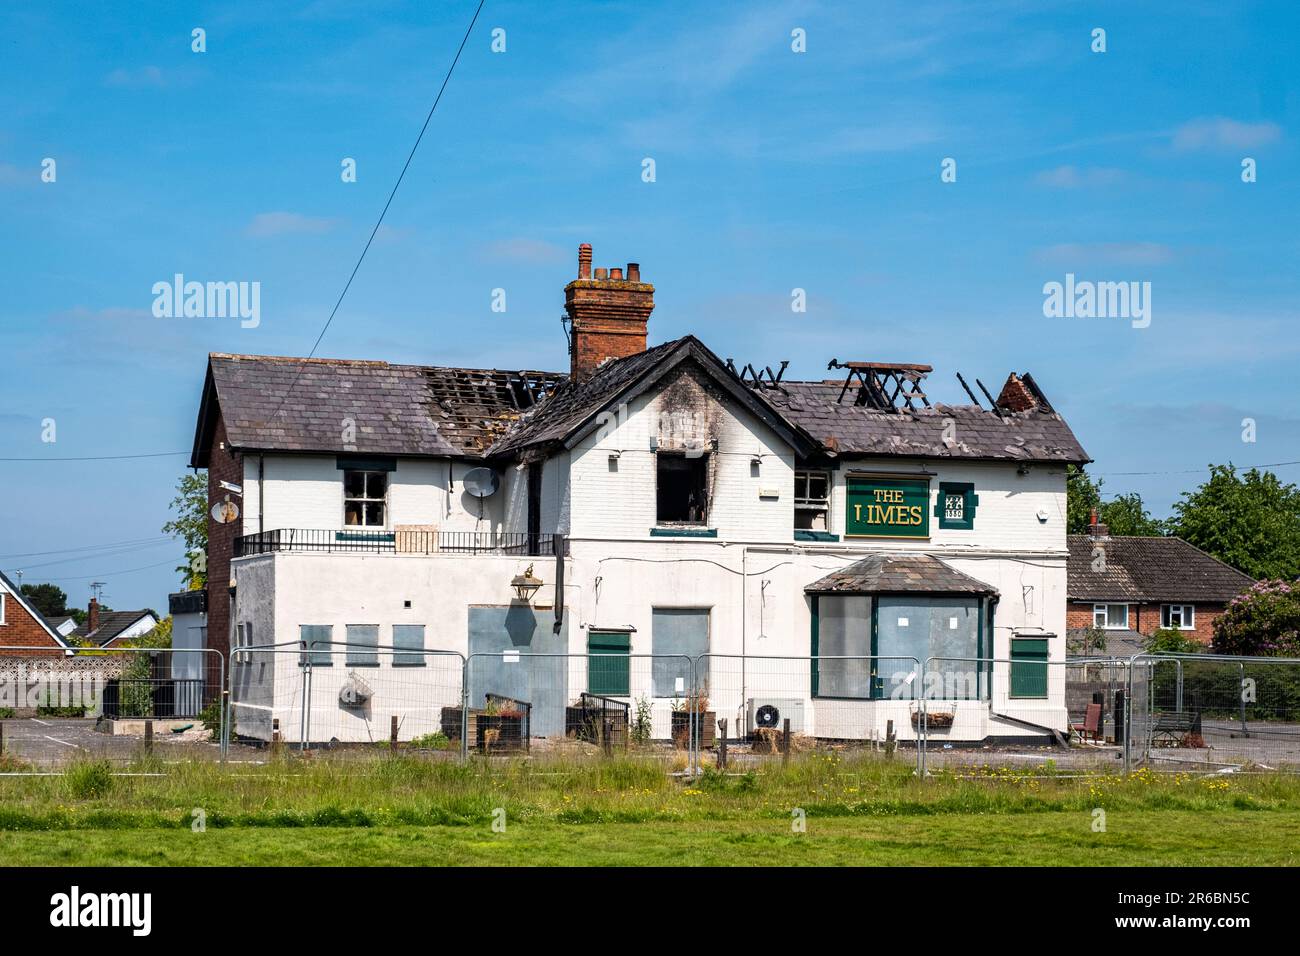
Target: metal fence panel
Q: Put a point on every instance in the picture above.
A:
(111, 703)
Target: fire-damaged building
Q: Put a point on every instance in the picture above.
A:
(678, 523)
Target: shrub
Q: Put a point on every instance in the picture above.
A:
(1263, 622)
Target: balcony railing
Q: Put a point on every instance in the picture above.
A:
(366, 541)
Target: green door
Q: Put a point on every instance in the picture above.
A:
(1029, 667)
(607, 667)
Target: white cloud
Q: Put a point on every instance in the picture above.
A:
(267, 224)
(1076, 254)
(145, 76)
(1075, 177)
(1221, 133)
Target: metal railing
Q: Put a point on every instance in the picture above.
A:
(396, 541)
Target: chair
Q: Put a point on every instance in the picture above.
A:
(1091, 726)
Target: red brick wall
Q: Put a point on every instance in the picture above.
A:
(21, 629)
(223, 465)
(1145, 618)
(609, 314)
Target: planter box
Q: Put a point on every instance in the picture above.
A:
(495, 733)
(706, 728)
(585, 724)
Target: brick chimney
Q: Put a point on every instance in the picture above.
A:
(92, 617)
(1015, 395)
(608, 314)
(1096, 530)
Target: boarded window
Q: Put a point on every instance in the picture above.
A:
(1029, 667)
(363, 641)
(607, 665)
(941, 630)
(316, 638)
(410, 639)
(682, 488)
(683, 633)
(843, 631)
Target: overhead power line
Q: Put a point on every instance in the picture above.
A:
(379, 222)
(153, 454)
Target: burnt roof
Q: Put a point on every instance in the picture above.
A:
(577, 405)
(1035, 435)
(396, 409)
(898, 574)
(415, 410)
(1149, 569)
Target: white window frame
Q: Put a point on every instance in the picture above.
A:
(365, 499)
(1104, 611)
(1187, 616)
(2, 607)
(804, 503)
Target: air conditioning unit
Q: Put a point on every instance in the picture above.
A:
(770, 713)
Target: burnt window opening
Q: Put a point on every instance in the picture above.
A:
(365, 494)
(682, 488)
(812, 491)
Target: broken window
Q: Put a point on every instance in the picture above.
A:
(812, 490)
(682, 488)
(364, 497)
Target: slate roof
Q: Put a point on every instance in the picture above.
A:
(396, 409)
(1035, 435)
(1149, 570)
(899, 573)
(454, 412)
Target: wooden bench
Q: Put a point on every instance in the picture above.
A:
(1172, 729)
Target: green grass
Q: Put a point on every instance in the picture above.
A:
(403, 810)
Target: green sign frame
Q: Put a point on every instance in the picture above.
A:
(880, 507)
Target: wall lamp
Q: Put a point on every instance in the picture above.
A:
(526, 584)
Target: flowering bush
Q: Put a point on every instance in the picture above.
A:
(1264, 622)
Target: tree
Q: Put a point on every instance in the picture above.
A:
(1123, 515)
(50, 600)
(1263, 622)
(190, 522)
(138, 675)
(1250, 521)
(1087, 642)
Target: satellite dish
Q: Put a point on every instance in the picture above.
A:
(224, 512)
(481, 482)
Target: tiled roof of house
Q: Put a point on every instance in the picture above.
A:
(111, 624)
(899, 573)
(1149, 569)
(1034, 435)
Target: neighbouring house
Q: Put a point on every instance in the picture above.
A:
(21, 625)
(648, 501)
(64, 624)
(189, 664)
(1131, 587)
(112, 628)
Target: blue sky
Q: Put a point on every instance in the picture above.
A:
(775, 170)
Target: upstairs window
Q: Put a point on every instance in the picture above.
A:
(1180, 616)
(365, 495)
(682, 488)
(812, 500)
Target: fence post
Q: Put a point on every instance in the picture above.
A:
(392, 733)
(304, 725)
(607, 736)
(1241, 698)
(891, 741)
(785, 741)
(148, 736)
(464, 708)
(722, 743)
(2, 738)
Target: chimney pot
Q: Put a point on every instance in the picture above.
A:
(608, 317)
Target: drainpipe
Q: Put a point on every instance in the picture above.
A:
(261, 493)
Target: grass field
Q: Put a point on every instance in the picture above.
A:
(863, 811)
